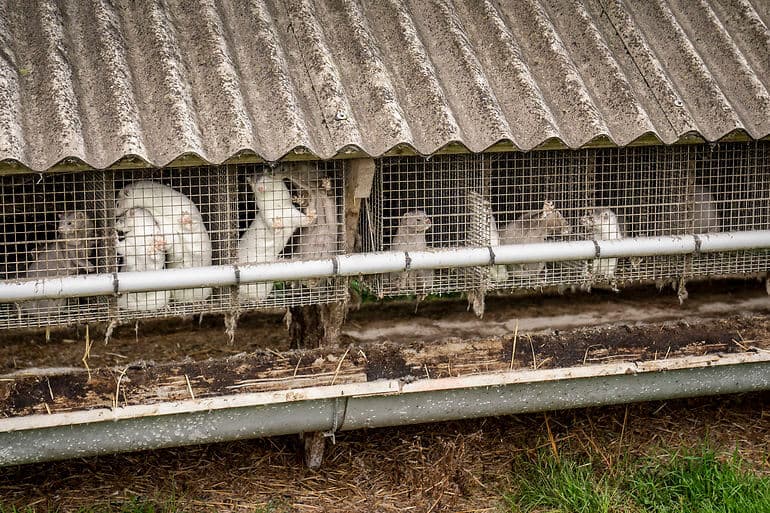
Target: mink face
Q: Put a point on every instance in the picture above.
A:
(143, 248)
(313, 191)
(603, 224)
(67, 255)
(415, 221)
(77, 229)
(268, 234)
(181, 225)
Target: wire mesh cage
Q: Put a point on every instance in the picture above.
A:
(421, 204)
(171, 219)
(154, 219)
(738, 179)
(536, 197)
(64, 224)
(53, 226)
(629, 192)
(548, 196)
(291, 212)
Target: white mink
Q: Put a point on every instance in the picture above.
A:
(320, 239)
(65, 256)
(532, 227)
(410, 236)
(143, 248)
(182, 226)
(603, 224)
(268, 234)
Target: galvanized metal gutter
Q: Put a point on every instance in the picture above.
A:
(381, 262)
(380, 403)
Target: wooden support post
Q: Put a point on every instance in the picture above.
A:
(320, 325)
(313, 449)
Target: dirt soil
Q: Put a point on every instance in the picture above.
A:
(444, 342)
(460, 466)
(179, 340)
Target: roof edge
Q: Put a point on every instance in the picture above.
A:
(403, 149)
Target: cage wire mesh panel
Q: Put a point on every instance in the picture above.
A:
(292, 211)
(54, 225)
(418, 204)
(155, 219)
(628, 192)
(537, 197)
(171, 219)
(738, 178)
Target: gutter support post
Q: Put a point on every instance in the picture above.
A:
(320, 325)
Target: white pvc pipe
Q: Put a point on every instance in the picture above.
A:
(649, 246)
(286, 270)
(544, 252)
(731, 241)
(371, 263)
(374, 263)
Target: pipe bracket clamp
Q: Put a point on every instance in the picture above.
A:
(340, 409)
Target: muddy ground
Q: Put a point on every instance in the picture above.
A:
(453, 466)
(174, 340)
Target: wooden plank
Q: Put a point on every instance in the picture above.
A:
(568, 352)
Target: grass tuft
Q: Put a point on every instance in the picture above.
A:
(565, 486)
(677, 483)
(700, 482)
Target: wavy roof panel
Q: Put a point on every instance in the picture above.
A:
(99, 80)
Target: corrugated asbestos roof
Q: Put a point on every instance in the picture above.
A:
(98, 80)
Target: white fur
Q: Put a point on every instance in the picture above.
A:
(604, 225)
(268, 234)
(181, 225)
(320, 239)
(143, 248)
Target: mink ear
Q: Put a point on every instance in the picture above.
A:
(60, 215)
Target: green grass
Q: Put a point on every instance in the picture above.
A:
(701, 483)
(681, 483)
(566, 486)
(696, 482)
